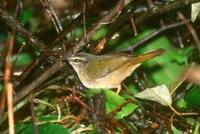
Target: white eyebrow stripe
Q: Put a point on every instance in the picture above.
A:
(78, 58)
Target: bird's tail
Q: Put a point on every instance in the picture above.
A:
(147, 56)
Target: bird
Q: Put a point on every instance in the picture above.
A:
(107, 71)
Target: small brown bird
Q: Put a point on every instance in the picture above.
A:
(107, 71)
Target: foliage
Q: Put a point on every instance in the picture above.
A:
(60, 104)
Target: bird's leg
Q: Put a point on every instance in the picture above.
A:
(118, 89)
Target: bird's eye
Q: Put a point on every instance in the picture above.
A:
(76, 60)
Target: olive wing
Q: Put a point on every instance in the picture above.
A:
(106, 65)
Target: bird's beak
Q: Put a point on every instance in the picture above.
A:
(65, 59)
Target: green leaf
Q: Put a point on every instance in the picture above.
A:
(28, 18)
(113, 100)
(77, 33)
(133, 88)
(94, 131)
(1, 87)
(197, 129)
(165, 68)
(102, 32)
(191, 99)
(93, 92)
(175, 131)
(182, 56)
(46, 128)
(182, 104)
(27, 15)
(193, 96)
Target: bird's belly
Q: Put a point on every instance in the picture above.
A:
(100, 84)
(111, 80)
(104, 82)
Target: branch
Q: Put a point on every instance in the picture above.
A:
(16, 26)
(57, 65)
(148, 14)
(150, 36)
(43, 77)
(105, 20)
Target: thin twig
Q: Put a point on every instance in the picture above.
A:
(134, 26)
(3, 59)
(34, 118)
(18, 106)
(44, 76)
(2, 103)
(17, 57)
(179, 38)
(108, 18)
(52, 14)
(8, 85)
(57, 21)
(16, 26)
(170, 106)
(77, 99)
(148, 14)
(54, 18)
(150, 36)
(41, 58)
(57, 65)
(191, 29)
(2, 65)
(84, 20)
(11, 122)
